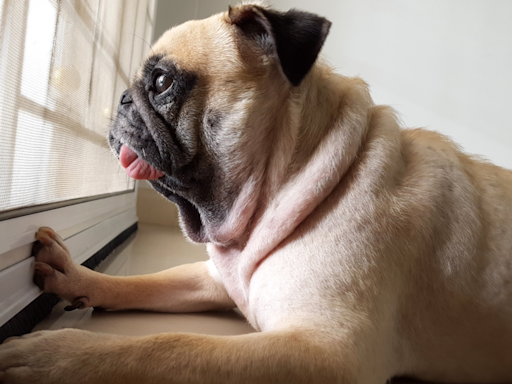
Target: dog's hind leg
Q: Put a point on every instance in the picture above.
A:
(185, 288)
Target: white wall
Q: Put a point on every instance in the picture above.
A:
(444, 65)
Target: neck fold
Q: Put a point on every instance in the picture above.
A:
(334, 144)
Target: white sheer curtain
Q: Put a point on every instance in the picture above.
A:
(63, 66)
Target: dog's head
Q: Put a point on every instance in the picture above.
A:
(203, 115)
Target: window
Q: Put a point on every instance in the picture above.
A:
(63, 66)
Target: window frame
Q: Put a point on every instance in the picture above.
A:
(85, 227)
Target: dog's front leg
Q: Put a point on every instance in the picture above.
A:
(186, 288)
(74, 356)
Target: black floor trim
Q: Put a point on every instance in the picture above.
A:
(41, 307)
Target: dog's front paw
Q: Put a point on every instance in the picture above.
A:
(66, 356)
(54, 270)
(51, 250)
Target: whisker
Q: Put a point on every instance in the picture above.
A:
(149, 45)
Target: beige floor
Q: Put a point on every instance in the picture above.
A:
(152, 249)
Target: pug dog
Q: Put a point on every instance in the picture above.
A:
(360, 250)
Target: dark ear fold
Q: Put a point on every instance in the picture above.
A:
(296, 37)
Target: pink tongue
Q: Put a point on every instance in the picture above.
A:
(136, 167)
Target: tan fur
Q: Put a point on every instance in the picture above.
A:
(363, 250)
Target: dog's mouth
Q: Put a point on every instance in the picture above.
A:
(139, 169)
(191, 218)
(136, 167)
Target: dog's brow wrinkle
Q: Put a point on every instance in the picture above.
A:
(150, 64)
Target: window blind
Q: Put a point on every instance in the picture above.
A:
(63, 66)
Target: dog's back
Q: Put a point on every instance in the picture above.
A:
(459, 283)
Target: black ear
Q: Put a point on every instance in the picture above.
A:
(295, 36)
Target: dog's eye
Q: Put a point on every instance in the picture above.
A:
(162, 82)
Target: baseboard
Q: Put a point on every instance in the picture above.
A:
(40, 307)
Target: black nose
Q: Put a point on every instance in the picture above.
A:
(126, 97)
